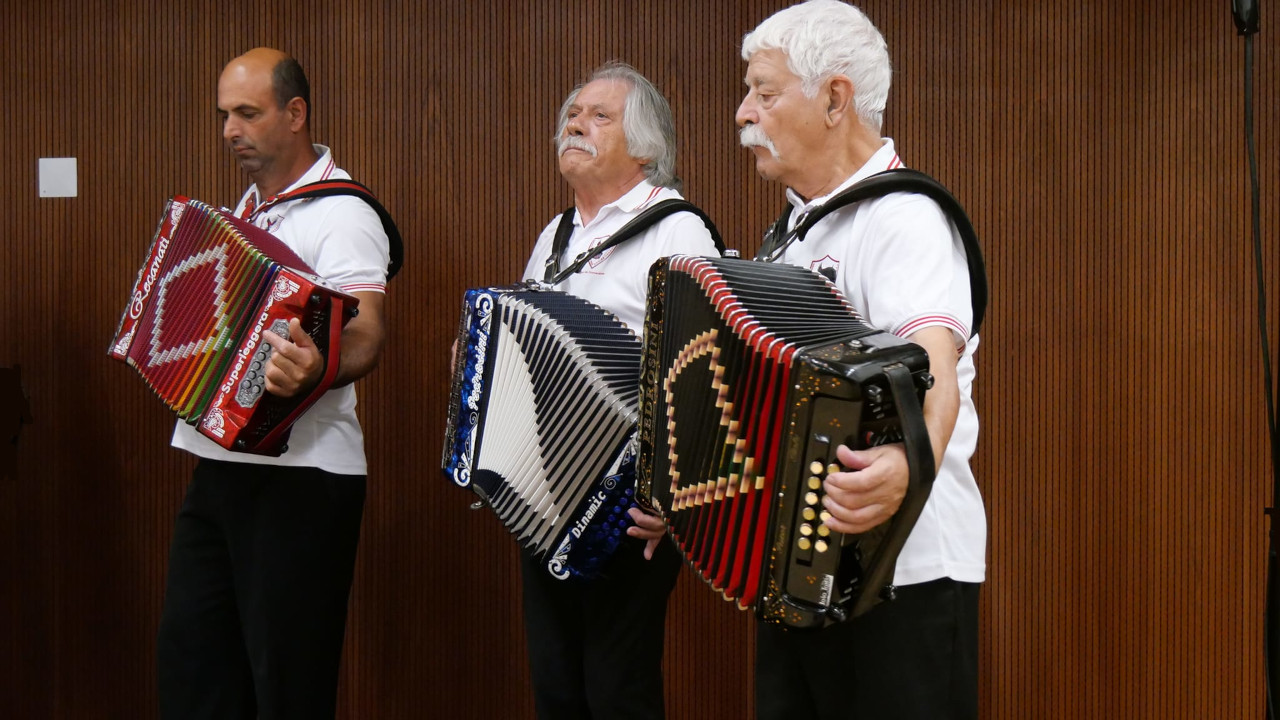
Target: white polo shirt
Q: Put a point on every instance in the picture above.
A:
(342, 239)
(618, 278)
(902, 266)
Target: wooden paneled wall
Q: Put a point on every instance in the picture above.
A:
(1097, 145)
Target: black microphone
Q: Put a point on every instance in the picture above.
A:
(1245, 13)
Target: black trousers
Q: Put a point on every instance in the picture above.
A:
(255, 602)
(914, 657)
(595, 647)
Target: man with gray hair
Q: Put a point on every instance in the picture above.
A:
(595, 647)
(817, 79)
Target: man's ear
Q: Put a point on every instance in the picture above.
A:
(839, 94)
(297, 110)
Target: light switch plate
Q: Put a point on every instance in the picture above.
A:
(58, 177)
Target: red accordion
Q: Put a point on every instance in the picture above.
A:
(211, 285)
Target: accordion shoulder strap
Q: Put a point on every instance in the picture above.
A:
(638, 224)
(901, 180)
(329, 188)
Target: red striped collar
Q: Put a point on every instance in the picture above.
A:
(876, 163)
(638, 197)
(252, 208)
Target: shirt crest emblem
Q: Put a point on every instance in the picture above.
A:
(598, 260)
(826, 265)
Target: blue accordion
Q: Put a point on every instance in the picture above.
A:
(542, 421)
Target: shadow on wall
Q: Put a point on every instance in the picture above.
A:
(15, 412)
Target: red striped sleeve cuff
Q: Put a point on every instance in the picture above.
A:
(364, 287)
(917, 324)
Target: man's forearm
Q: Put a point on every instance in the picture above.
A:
(942, 402)
(362, 340)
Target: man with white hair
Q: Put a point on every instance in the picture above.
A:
(817, 79)
(595, 647)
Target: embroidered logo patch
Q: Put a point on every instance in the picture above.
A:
(596, 261)
(826, 265)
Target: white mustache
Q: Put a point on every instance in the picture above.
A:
(574, 142)
(753, 136)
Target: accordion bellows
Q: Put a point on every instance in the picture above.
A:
(210, 286)
(542, 421)
(752, 375)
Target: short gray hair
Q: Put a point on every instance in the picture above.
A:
(824, 38)
(646, 121)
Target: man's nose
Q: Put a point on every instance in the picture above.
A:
(744, 116)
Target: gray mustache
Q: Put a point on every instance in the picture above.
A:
(752, 136)
(574, 142)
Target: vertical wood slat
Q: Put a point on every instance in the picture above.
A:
(1097, 149)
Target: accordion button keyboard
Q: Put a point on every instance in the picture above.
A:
(811, 536)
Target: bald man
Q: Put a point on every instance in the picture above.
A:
(264, 547)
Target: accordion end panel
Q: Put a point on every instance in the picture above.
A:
(470, 355)
(242, 415)
(753, 375)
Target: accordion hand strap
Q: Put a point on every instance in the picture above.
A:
(919, 449)
(638, 224)
(902, 180)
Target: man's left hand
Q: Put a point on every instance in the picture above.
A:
(296, 365)
(648, 526)
(870, 491)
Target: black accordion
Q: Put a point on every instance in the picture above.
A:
(542, 421)
(752, 375)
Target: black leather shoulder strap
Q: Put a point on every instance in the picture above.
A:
(328, 188)
(901, 180)
(637, 225)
